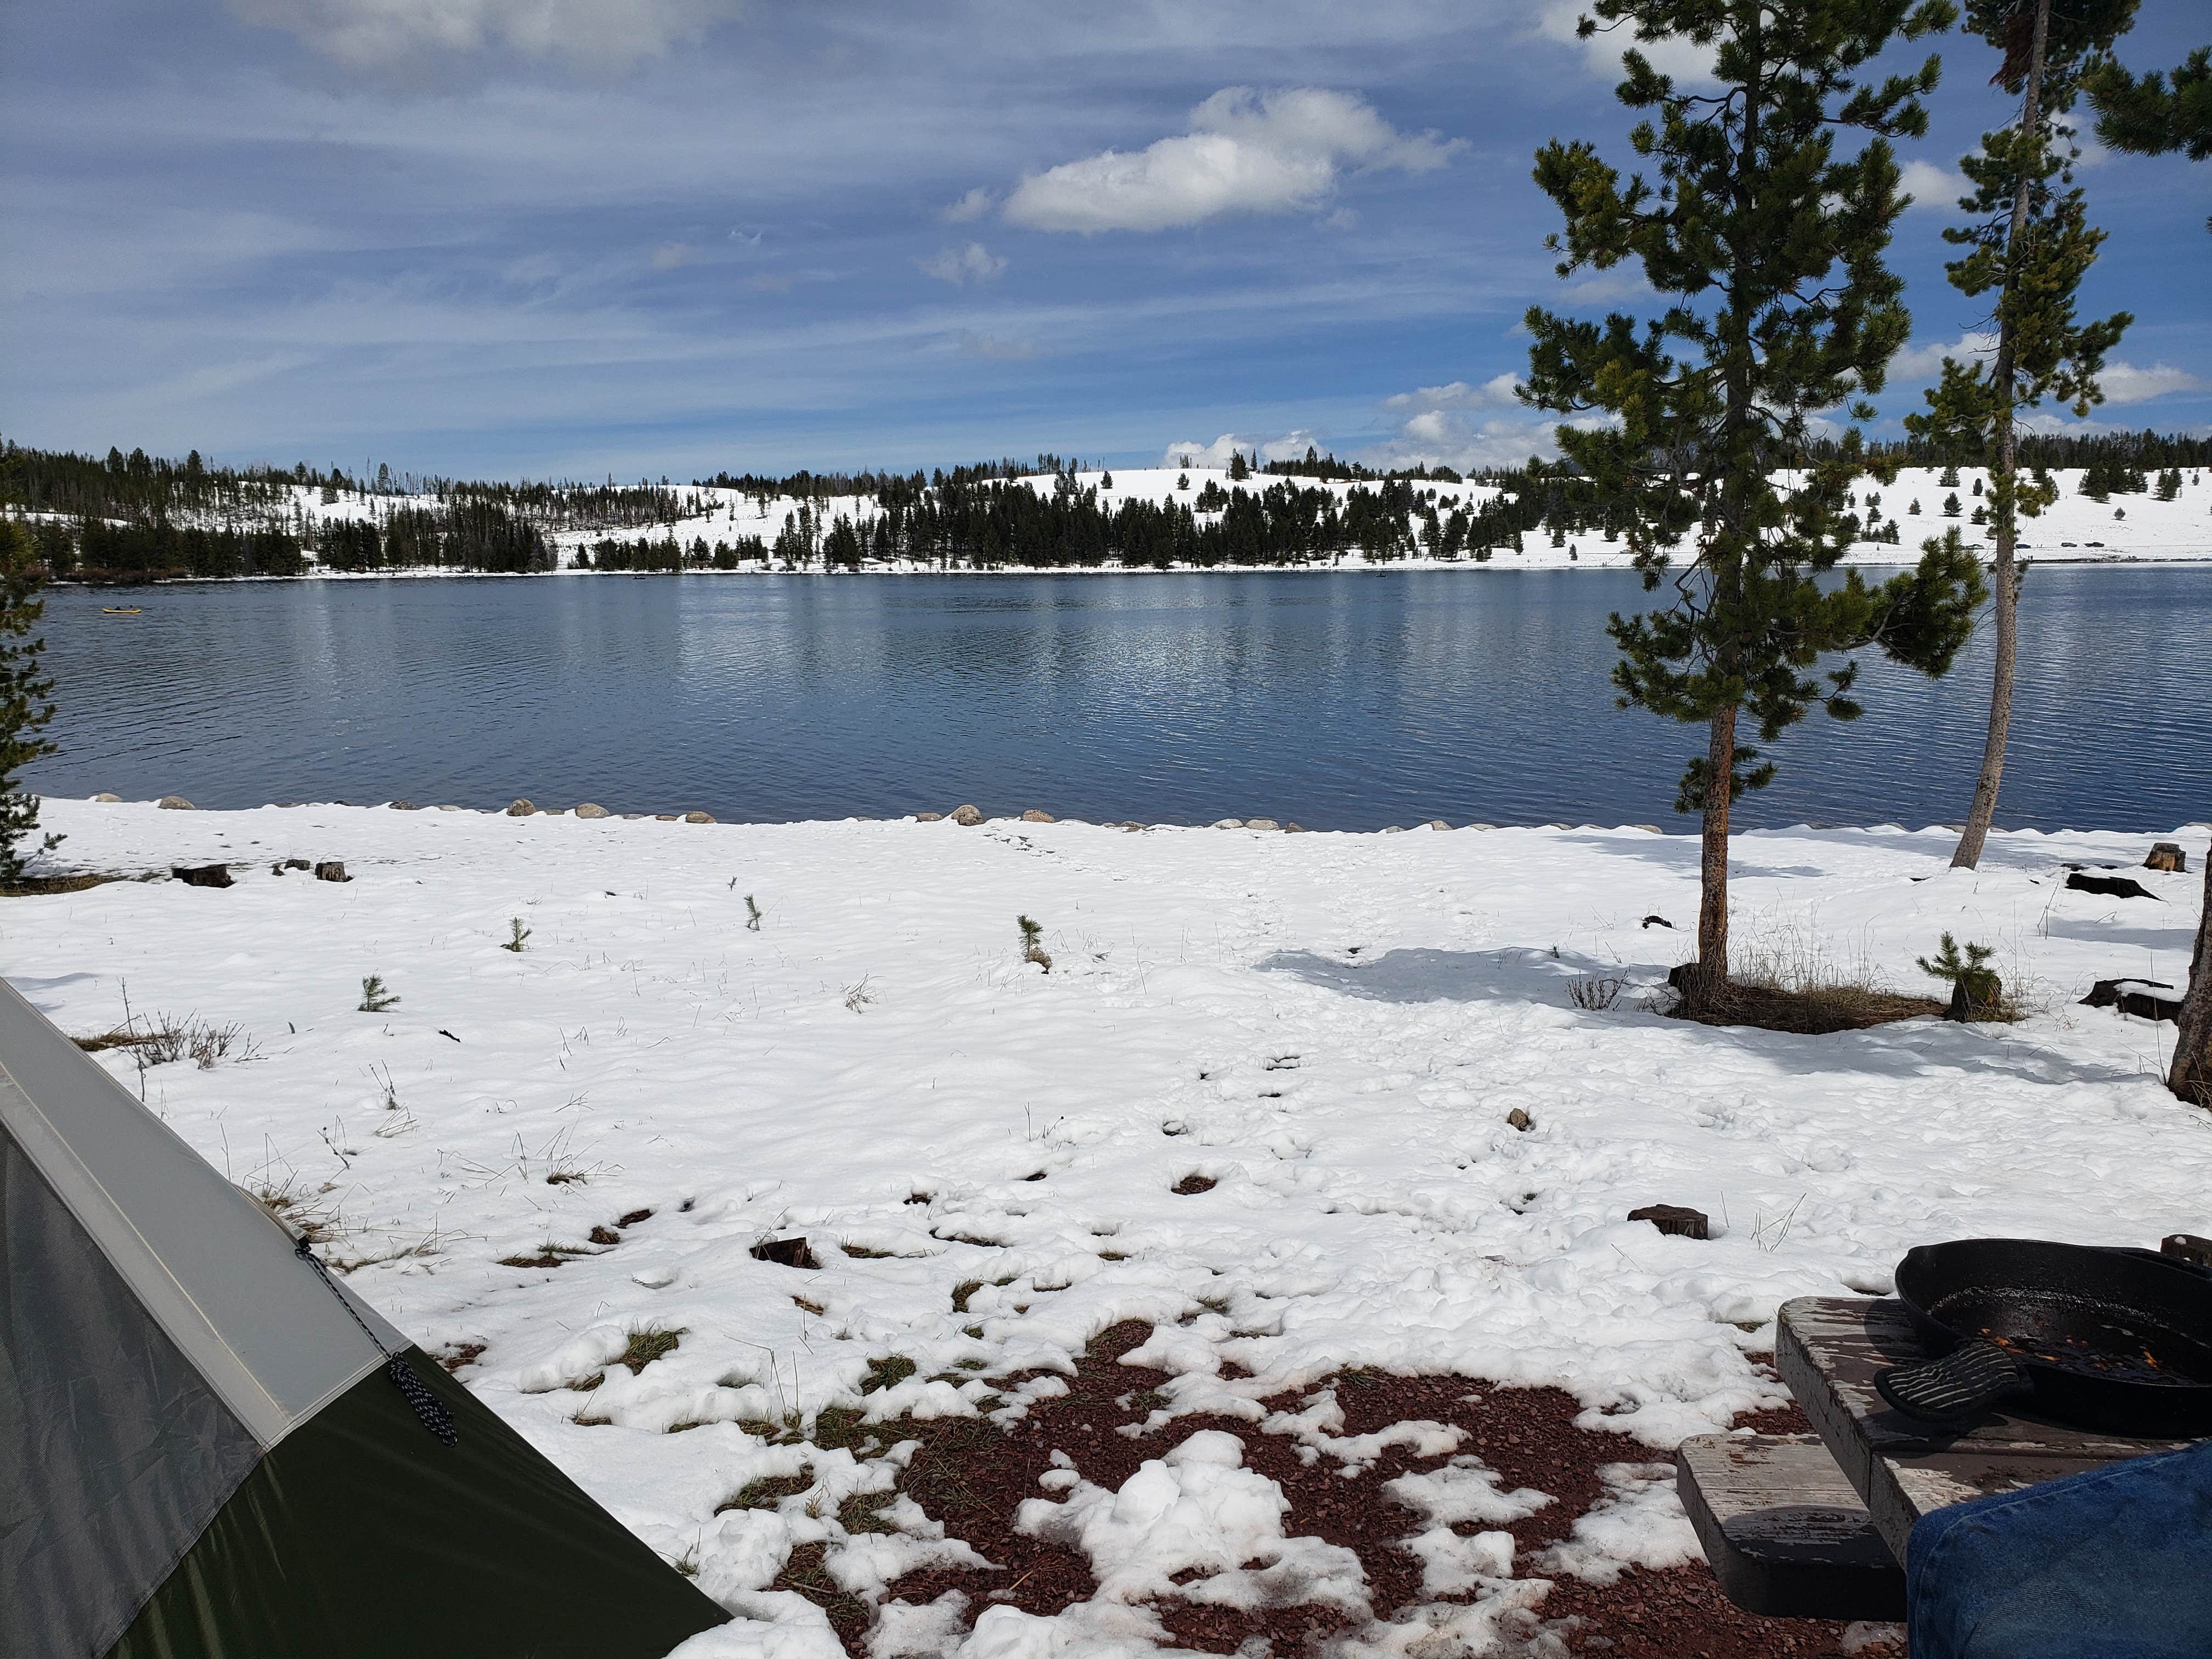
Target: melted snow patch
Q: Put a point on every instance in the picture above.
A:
(1637, 1523)
(1197, 1510)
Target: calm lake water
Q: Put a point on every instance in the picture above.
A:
(1341, 701)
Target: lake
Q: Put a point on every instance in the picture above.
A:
(1339, 700)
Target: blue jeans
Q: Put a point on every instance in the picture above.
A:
(2116, 1564)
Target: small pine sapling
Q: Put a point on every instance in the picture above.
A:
(374, 999)
(752, 915)
(1033, 943)
(516, 934)
(1976, 993)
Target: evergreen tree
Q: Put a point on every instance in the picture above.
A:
(1238, 470)
(2191, 1076)
(1752, 214)
(26, 695)
(2030, 245)
(2148, 118)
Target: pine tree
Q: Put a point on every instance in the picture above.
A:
(26, 696)
(1237, 469)
(2147, 117)
(2031, 245)
(1752, 214)
(2191, 1076)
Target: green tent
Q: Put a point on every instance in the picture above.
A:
(209, 1449)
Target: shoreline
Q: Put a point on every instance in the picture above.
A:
(1392, 567)
(1032, 818)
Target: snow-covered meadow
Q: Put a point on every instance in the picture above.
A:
(984, 1155)
(2134, 527)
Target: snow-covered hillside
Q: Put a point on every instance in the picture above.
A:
(1258, 1102)
(2133, 527)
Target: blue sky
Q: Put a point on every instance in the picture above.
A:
(638, 237)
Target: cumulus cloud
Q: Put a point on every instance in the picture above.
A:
(2124, 383)
(996, 350)
(970, 208)
(1455, 439)
(1931, 186)
(1606, 287)
(380, 34)
(1924, 361)
(1290, 446)
(1247, 152)
(1559, 20)
(1495, 392)
(962, 265)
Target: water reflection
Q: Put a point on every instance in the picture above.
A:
(1338, 700)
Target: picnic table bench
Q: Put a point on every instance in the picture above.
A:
(1796, 1525)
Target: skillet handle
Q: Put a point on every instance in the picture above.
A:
(1957, 1391)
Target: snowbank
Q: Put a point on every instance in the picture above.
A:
(984, 1156)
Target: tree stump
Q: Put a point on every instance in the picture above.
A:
(1674, 1219)
(2167, 855)
(331, 870)
(202, 875)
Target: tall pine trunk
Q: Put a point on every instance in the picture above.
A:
(2191, 1076)
(2006, 519)
(1712, 870)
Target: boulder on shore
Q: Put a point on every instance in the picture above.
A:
(1036, 815)
(175, 804)
(698, 817)
(104, 795)
(521, 808)
(1261, 823)
(591, 809)
(929, 817)
(968, 816)
(1229, 823)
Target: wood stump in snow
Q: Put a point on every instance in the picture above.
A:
(1675, 1218)
(2167, 855)
(202, 875)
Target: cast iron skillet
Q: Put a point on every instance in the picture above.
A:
(2116, 1340)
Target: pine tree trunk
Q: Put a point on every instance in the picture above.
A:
(2191, 1076)
(1712, 874)
(2005, 521)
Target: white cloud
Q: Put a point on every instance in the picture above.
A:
(2124, 383)
(1931, 186)
(1248, 152)
(1495, 392)
(1923, 363)
(669, 255)
(383, 32)
(996, 350)
(1448, 437)
(1615, 282)
(1290, 446)
(1559, 19)
(972, 206)
(962, 265)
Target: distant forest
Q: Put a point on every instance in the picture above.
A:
(134, 519)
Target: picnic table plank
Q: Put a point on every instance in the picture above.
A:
(1828, 1350)
(1783, 1531)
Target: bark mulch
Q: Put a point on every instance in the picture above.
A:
(973, 1475)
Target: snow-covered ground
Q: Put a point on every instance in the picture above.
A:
(2076, 529)
(1333, 1028)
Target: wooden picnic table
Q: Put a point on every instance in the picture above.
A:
(1800, 1528)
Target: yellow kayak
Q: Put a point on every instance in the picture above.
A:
(119, 610)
